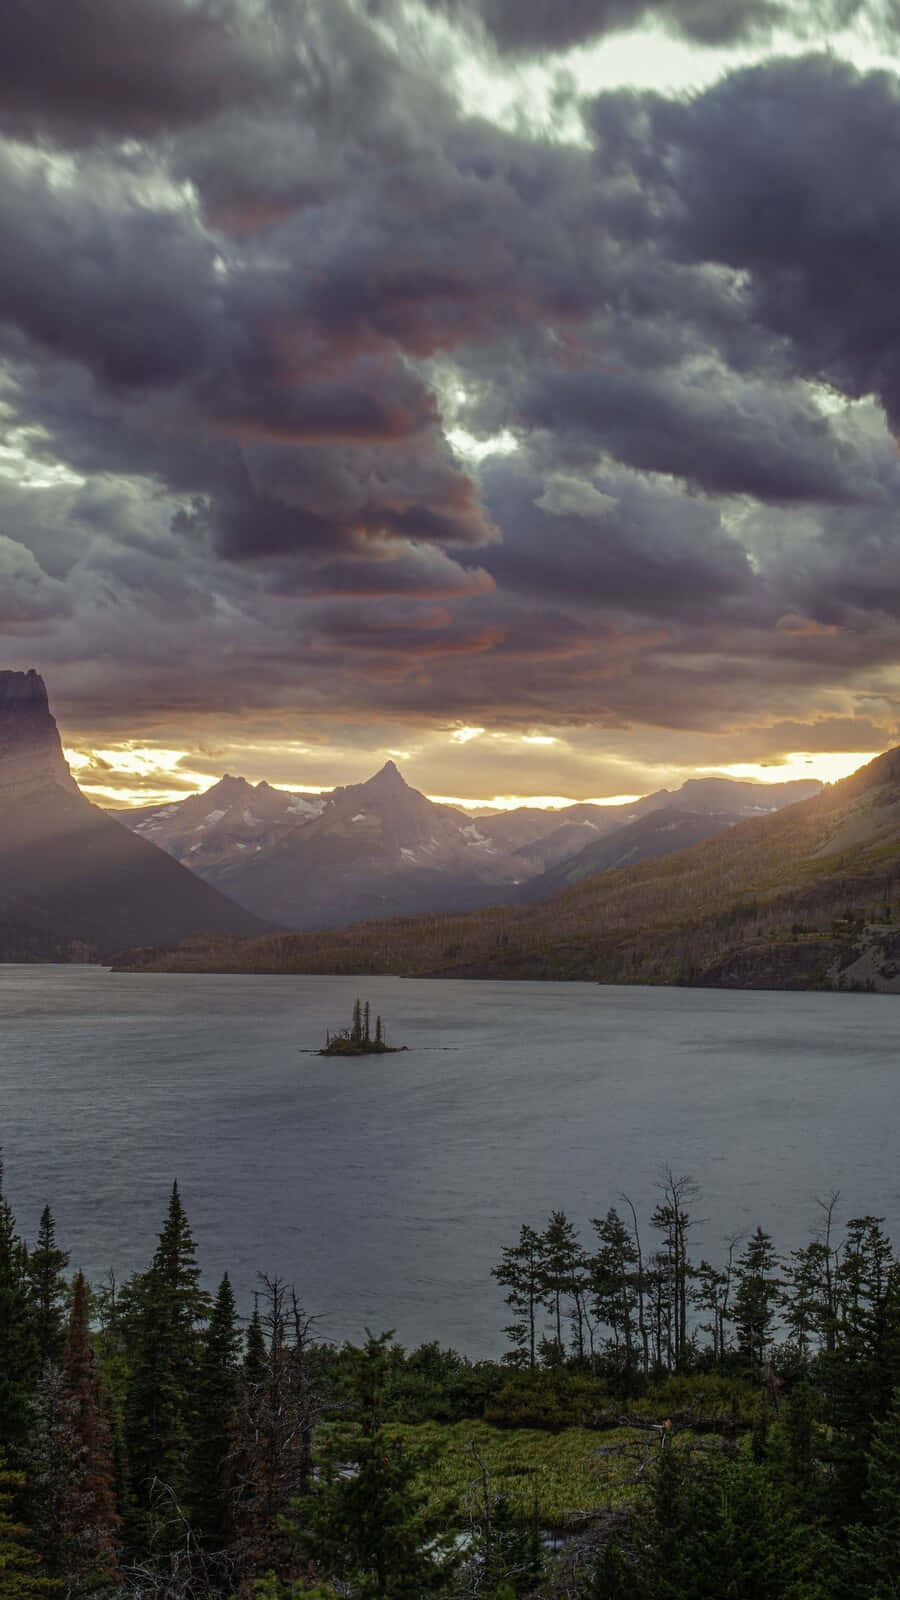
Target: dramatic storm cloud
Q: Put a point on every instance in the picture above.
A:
(348, 410)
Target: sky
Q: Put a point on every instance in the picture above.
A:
(508, 388)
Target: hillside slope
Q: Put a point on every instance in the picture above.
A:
(797, 899)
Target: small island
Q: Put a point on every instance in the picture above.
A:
(358, 1039)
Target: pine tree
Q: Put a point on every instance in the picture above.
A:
(19, 1350)
(563, 1278)
(717, 1527)
(375, 1531)
(216, 1399)
(46, 1266)
(612, 1287)
(255, 1358)
(520, 1271)
(758, 1289)
(168, 1309)
(22, 1574)
(872, 1568)
(356, 1026)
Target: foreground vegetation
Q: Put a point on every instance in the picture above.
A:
(800, 899)
(658, 1428)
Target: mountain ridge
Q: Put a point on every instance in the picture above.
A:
(381, 847)
(805, 897)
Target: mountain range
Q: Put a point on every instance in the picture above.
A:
(73, 882)
(242, 860)
(806, 897)
(381, 848)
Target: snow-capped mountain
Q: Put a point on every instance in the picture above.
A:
(381, 848)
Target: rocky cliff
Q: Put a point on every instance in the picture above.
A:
(31, 754)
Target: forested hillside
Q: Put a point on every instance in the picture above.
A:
(802, 898)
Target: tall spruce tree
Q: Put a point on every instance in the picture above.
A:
(167, 1312)
(217, 1389)
(46, 1268)
(757, 1297)
(19, 1348)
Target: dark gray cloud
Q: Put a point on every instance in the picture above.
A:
(526, 27)
(245, 300)
(95, 65)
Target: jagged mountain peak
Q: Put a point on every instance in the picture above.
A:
(389, 779)
(22, 686)
(31, 754)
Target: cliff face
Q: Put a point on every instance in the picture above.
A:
(31, 754)
(73, 881)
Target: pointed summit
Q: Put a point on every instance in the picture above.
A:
(31, 754)
(388, 778)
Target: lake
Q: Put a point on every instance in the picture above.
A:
(386, 1187)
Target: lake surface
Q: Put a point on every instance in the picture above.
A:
(386, 1187)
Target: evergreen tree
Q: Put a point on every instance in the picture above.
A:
(216, 1399)
(374, 1531)
(19, 1350)
(758, 1290)
(520, 1271)
(46, 1266)
(255, 1358)
(613, 1288)
(563, 1277)
(22, 1574)
(716, 1528)
(871, 1570)
(167, 1310)
(356, 1026)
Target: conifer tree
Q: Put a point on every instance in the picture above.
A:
(216, 1399)
(46, 1266)
(563, 1278)
(255, 1359)
(871, 1570)
(520, 1271)
(19, 1351)
(22, 1574)
(168, 1308)
(612, 1286)
(374, 1531)
(758, 1288)
(356, 1026)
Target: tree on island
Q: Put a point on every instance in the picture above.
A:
(357, 1040)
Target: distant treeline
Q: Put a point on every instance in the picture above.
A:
(745, 1419)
